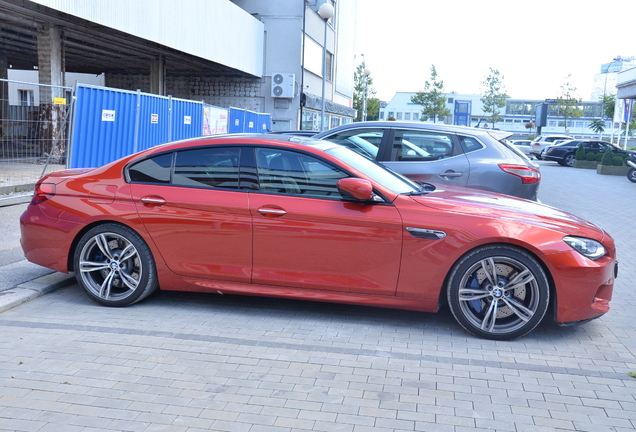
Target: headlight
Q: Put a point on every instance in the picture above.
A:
(587, 247)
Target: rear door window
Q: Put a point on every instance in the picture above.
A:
(363, 141)
(421, 145)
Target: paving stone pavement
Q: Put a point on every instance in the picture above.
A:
(193, 362)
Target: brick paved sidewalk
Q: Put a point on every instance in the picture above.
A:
(193, 362)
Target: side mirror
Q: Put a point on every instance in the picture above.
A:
(356, 188)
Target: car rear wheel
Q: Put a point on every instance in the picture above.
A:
(631, 175)
(498, 292)
(114, 265)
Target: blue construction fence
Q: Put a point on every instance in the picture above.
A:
(110, 123)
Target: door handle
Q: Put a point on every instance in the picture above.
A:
(271, 211)
(451, 174)
(153, 201)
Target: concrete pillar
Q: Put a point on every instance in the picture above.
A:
(51, 131)
(158, 76)
(50, 63)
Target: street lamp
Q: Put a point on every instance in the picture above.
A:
(326, 12)
(367, 72)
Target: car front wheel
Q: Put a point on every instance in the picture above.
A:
(498, 292)
(114, 265)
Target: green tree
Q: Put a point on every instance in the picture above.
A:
(361, 84)
(598, 126)
(609, 102)
(567, 106)
(432, 98)
(494, 97)
(373, 108)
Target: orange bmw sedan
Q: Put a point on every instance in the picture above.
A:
(307, 219)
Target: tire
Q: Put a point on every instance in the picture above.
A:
(568, 160)
(631, 175)
(511, 308)
(114, 266)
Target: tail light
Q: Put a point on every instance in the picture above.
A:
(43, 191)
(527, 175)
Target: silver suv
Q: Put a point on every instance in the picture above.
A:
(444, 154)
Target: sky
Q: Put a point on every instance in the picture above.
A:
(534, 44)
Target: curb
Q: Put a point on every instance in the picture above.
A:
(33, 289)
(14, 199)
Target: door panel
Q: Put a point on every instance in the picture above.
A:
(427, 156)
(199, 232)
(326, 244)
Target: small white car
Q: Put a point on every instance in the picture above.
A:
(542, 141)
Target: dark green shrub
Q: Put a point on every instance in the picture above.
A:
(617, 161)
(608, 157)
(580, 153)
(598, 157)
(590, 157)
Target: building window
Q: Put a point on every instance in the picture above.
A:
(310, 120)
(398, 116)
(391, 114)
(26, 97)
(381, 115)
(407, 116)
(328, 66)
(335, 121)
(451, 100)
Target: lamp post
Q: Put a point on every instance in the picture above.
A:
(326, 12)
(367, 72)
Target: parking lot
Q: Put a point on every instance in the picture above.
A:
(194, 362)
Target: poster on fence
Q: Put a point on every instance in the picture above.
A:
(214, 120)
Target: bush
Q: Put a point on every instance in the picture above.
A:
(580, 153)
(590, 157)
(598, 157)
(608, 157)
(617, 161)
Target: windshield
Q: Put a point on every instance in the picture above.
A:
(390, 179)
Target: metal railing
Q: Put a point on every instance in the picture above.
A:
(34, 125)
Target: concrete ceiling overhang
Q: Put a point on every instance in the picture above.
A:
(91, 48)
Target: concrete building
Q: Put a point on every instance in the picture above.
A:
(224, 52)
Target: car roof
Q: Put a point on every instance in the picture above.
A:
(497, 134)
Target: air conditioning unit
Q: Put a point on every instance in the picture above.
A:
(283, 85)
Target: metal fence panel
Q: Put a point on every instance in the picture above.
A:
(33, 132)
(264, 122)
(186, 119)
(237, 120)
(251, 122)
(154, 121)
(103, 126)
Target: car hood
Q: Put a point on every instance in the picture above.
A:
(469, 201)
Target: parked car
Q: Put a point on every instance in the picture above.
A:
(293, 217)
(523, 145)
(305, 133)
(538, 144)
(564, 153)
(444, 154)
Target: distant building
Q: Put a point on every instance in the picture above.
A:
(467, 110)
(605, 81)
